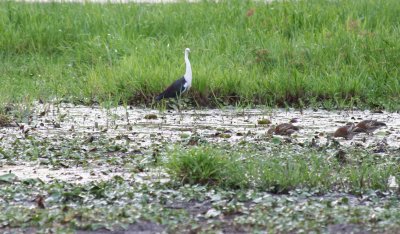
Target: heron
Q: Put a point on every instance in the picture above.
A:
(181, 85)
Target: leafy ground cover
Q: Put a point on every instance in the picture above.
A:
(356, 199)
(119, 204)
(320, 53)
(92, 170)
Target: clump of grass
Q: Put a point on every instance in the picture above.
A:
(279, 172)
(264, 121)
(4, 120)
(199, 166)
(281, 175)
(150, 116)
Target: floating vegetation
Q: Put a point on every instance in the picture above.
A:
(263, 121)
(182, 173)
(150, 116)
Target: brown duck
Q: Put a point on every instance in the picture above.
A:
(368, 126)
(284, 129)
(345, 131)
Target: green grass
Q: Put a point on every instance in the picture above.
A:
(205, 166)
(323, 53)
(4, 120)
(281, 171)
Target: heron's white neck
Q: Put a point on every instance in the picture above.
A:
(188, 73)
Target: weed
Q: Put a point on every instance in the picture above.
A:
(199, 166)
(4, 120)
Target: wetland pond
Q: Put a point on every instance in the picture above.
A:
(98, 170)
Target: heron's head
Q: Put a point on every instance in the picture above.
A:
(187, 50)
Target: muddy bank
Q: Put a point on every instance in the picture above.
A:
(143, 131)
(147, 126)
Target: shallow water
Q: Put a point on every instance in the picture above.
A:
(130, 127)
(170, 125)
(81, 175)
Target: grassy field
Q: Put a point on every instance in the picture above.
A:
(319, 53)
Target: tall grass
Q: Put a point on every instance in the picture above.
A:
(339, 52)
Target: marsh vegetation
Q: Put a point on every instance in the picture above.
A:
(89, 168)
(84, 148)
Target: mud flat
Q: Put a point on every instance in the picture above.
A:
(97, 170)
(147, 126)
(143, 131)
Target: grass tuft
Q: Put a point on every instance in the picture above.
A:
(199, 166)
(4, 120)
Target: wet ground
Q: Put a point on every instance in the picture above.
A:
(85, 150)
(146, 129)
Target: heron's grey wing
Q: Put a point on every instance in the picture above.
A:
(174, 90)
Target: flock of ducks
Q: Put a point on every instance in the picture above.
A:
(347, 132)
(350, 129)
